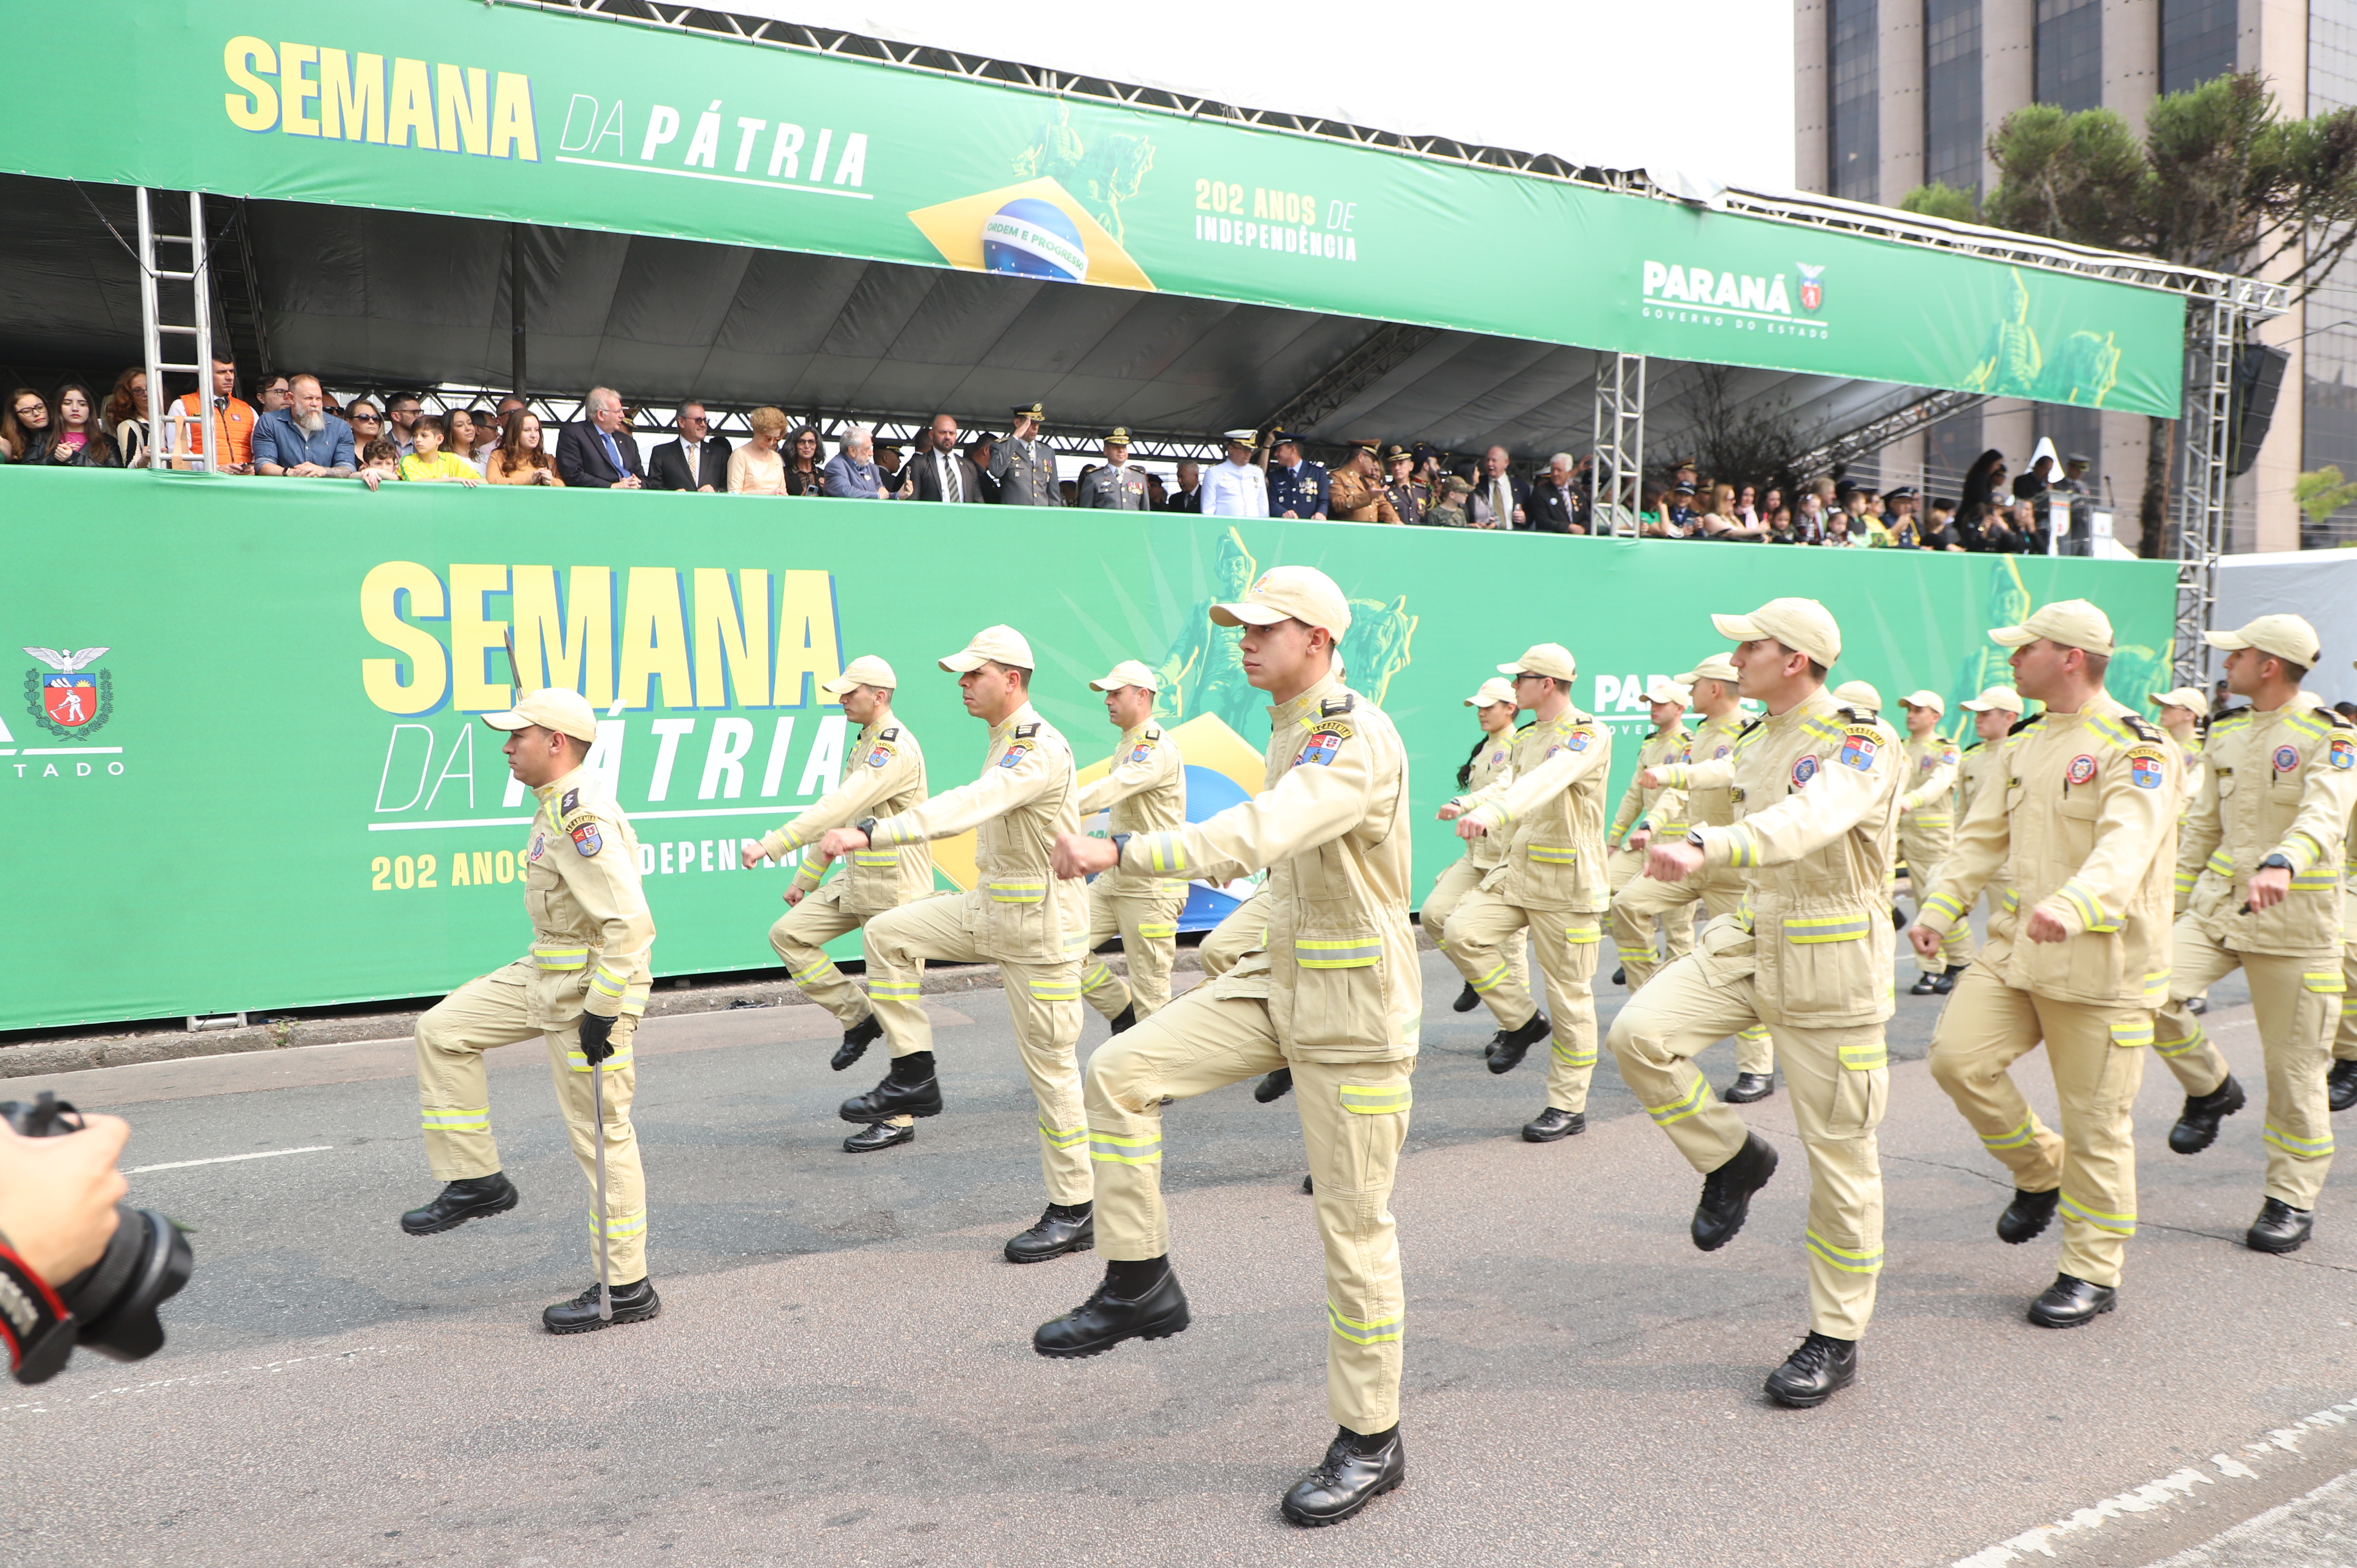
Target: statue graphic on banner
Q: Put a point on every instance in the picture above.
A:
(1104, 176)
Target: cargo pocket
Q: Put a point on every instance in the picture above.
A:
(1724, 949)
(1861, 1089)
(1825, 960)
(1553, 874)
(1017, 922)
(1338, 992)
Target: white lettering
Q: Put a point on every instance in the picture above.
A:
(851, 169)
(1675, 288)
(392, 749)
(785, 152)
(450, 769)
(663, 126)
(818, 157)
(705, 145)
(825, 759)
(774, 774)
(1656, 276)
(752, 129)
(1778, 300)
(731, 739)
(669, 730)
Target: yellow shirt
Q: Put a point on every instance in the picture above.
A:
(443, 465)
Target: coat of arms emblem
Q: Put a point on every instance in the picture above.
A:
(1812, 287)
(69, 699)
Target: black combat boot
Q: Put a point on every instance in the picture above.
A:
(1727, 1194)
(1508, 1049)
(1275, 1087)
(1063, 1227)
(855, 1041)
(878, 1136)
(2340, 1085)
(1138, 1300)
(1467, 1000)
(1126, 1019)
(633, 1302)
(2279, 1228)
(1813, 1374)
(1356, 1470)
(477, 1198)
(2027, 1215)
(2196, 1124)
(1551, 1124)
(1749, 1087)
(909, 1090)
(2070, 1302)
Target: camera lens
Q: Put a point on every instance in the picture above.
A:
(115, 1300)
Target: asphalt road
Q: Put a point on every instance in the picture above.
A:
(842, 1373)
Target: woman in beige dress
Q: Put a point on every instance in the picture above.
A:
(757, 468)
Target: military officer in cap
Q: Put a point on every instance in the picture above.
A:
(1402, 488)
(583, 987)
(1355, 490)
(1022, 467)
(1145, 792)
(1718, 889)
(1296, 487)
(2259, 873)
(1927, 825)
(1648, 811)
(1236, 487)
(1035, 928)
(1551, 882)
(1332, 992)
(883, 773)
(1119, 486)
(1491, 762)
(1816, 789)
(2082, 840)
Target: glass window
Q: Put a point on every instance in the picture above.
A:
(2328, 407)
(1949, 448)
(2197, 42)
(1852, 61)
(1951, 93)
(2069, 45)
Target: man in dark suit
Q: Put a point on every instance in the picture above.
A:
(697, 461)
(1499, 499)
(978, 452)
(598, 451)
(942, 472)
(1187, 496)
(1554, 506)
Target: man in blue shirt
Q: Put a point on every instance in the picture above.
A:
(303, 440)
(852, 473)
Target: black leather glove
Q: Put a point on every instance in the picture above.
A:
(597, 1039)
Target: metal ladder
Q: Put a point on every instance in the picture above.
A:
(166, 433)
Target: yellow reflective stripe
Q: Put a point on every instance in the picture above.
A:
(2134, 1033)
(2010, 899)
(2091, 913)
(898, 990)
(2179, 1048)
(1380, 1100)
(2222, 863)
(1943, 904)
(804, 976)
(2117, 1224)
(2156, 988)
(1164, 853)
(1122, 1148)
(1672, 830)
(1096, 979)
(1056, 990)
(2324, 981)
(1490, 981)
(1337, 952)
(2186, 879)
(449, 1119)
(1016, 892)
(561, 958)
(1381, 1331)
(1579, 936)
(1685, 1105)
(1742, 847)
(1866, 1058)
(615, 1063)
(2315, 882)
(2298, 1148)
(1571, 1055)
(634, 1006)
(1157, 930)
(1827, 927)
(605, 982)
(2015, 1139)
(620, 1227)
(1552, 855)
(1847, 1260)
(1756, 1032)
(874, 857)
(1063, 1137)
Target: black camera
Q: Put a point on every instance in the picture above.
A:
(113, 1301)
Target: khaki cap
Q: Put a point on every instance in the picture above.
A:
(1289, 592)
(2190, 697)
(1858, 694)
(1128, 672)
(551, 708)
(1496, 689)
(1718, 667)
(865, 671)
(1931, 700)
(1995, 699)
(992, 645)
(1546, 659)
(1802, 624)
(2069, 623)
(2286, 637)
(1661, 689)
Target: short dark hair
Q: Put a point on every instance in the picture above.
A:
(2297, 672)
(1022, 676)
(1815, 669)
(2096, 663)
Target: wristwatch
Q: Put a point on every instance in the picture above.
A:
(1693, 837)
(2276, 861)
(866, 825)
(1119, 842)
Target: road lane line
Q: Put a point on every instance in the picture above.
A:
(225, 1159)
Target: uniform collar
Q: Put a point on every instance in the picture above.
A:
(2300, 701)
(1283, 714)
(1022, 715)
(548, 792)
(872, 726)
(1132, 736)
(1815, 706)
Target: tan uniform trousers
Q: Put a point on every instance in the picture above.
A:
(2345, 1039)
(1448, 891)
(453, 1098)
(1147, 924)
(1245, 929)
(1635, 925)
(2096, 1055)
(799, 939)
(1479, 936)
(1354, 1122)
(1925, 855)
(1044, 1000)
(2297, 1005)
(1755, 1050)
(1837, 1080)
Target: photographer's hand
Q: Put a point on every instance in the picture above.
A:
(57, 1195)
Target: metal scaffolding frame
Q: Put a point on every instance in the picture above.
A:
(2206, 449)
(153, 329)
(1618, 443)
(1875, 434)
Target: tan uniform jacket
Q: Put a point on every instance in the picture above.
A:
(2082, 826)
(1815, 792)
(1024, 796)
(593, 938)
(1338, 966)
(2197, 768)
(1493, 764)
(1144, 793)
(1929, 781)
(1978, 763)
(1707, 805)
(1554, 806)
(1662, 808)
(2279, 783)
(883, 772)
(1351, 498)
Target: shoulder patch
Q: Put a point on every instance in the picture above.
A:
(1341, 704)
(588, 839)
(1154, 732)
(2147, 766)
(1861, 745)
(2343, 751)
(572, 820)
(1015, 755)
(1325, 741)
(881, 753)
(1747, 729)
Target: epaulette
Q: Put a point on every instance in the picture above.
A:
(1339, 704)
(572, 798)
(1153, 732)
(2229, 713)
(1747, 729)
(2339, 720)
(892, 734)
(1025, 732)
(2023, 723)
(1520, 728)
(1975, 747)
(2140, 728)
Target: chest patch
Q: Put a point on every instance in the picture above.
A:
(1496, 758)
(1803, 770)
(2344, 752)
(1722, 751)
(2081, 770)
(2144, 768)
(2287, 758)
(539, 843)
(587, 840)
(1859, 748)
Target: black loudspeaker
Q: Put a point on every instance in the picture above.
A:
(2259, 378)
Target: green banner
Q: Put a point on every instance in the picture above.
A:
(497, 113)
(243, 770)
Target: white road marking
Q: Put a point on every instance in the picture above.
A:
(52, 1404)
(226, 1159)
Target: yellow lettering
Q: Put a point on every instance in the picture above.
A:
(807, 640)
(654, 639)
(512, 119)
(466, 108)
(571, 646)
(740, 636)
(458, 868)
(472, 637)
(412, 106)
(482, 868)
(504, 866)
(381, 594)
(299, 88)
(255, 105)
(351, 98)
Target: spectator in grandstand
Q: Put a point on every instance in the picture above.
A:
(1938, 528)
(1984, 482)
(852, 473)
(233, 420)
(1452, 501)
(77, 437)
(303, 440)
(1554, 503)
(1837, 533)
(431, 463)
(510, 404)
(1780, 530)
(756, 468)
(401, 413)
(2032, 483)
(1408, 499)
(888, 466)
(1772, 501)
(518, 459)
(473, 435)
(1236, 488)
(805, 462)
(940, 472)
(598, 452)
(1722, 523)
(26, 424)
(270, 393)
(979, 452)
(126, 417)
(701, 461)
(380, 462)
(1158, 495)
(1499, 499)
(367, 423)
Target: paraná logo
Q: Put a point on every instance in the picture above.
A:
(69, 699)
(1812, 287)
